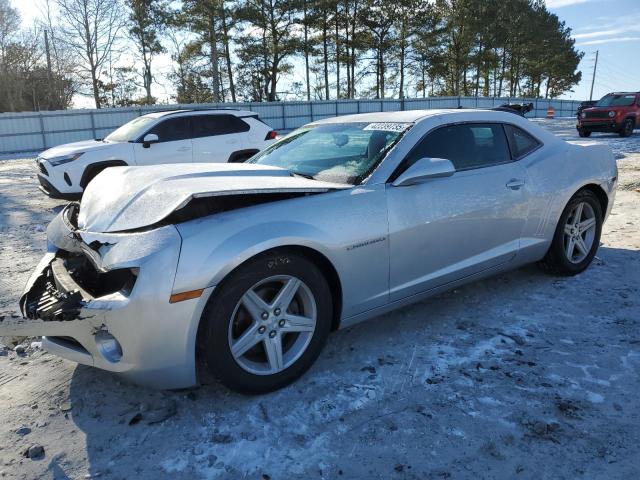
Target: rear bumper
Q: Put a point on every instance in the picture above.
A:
(156, 338)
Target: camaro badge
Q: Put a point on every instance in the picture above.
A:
(368, 242)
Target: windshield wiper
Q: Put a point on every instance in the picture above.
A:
(303, 175)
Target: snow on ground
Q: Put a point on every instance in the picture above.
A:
(520, 376)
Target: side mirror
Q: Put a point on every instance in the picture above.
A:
(148, 139)
(424, 169)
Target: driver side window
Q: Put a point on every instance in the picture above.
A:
(467, 145)
(173, 129)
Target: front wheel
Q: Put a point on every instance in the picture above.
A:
(577, 236)
(267, 323)
(627, 128)
(584, 133)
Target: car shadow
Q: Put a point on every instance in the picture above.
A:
(216, 432)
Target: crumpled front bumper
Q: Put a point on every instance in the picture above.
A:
(157, 338)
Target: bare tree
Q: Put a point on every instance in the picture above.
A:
(90, 29)
(9, 24)
(61, 65)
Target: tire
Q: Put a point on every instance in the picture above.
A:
(91, 171)
(241, 157)
(557, 261)
(627, 128)
(86, 180)
(227, 320)
(584, 133)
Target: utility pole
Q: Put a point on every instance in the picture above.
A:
(49, 74)
(593, 79)
(306, 48)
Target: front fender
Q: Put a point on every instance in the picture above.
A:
(205, 265)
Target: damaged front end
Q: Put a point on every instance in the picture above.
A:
(68, 284)
(72, 275)
(48, 300)
(107, 294)
(102, 299)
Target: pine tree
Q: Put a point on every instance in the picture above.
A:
(146, 21)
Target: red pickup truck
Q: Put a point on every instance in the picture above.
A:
(615, 112)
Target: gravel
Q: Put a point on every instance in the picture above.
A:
(34, 452)
(22, 431)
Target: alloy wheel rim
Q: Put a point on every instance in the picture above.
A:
(272, 325)
(579, 232)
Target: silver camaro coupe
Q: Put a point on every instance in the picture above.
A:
(168, 273)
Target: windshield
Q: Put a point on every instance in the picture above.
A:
(616, 101)
(130, 131)
(340, 153)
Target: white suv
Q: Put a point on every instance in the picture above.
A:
(177, 136)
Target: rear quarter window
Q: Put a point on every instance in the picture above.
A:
(520, 142)
(212, 125)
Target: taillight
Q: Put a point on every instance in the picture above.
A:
(272, 135)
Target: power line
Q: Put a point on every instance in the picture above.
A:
(614, 64)
(618, 72)
(604, 86)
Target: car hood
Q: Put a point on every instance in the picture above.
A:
(130, 198)
(75, 147)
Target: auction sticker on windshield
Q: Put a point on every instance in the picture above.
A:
(388, 126)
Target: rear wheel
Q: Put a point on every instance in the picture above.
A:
(577, 236)
(267, 323)
(241, 157)
(584, 133)
(627, 128)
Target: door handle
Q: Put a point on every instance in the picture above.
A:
(515, 184)
(184, 149)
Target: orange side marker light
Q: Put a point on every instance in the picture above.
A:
(181, 297)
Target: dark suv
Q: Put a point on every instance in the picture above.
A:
(615, 112)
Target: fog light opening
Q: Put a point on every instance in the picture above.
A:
(108, 346)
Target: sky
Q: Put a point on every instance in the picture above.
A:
(611, 27)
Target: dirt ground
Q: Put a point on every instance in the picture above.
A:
(522, 376)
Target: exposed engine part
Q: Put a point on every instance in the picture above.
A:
(46, 302)
(68, 283)
(93, 282)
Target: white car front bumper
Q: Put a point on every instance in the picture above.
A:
(56, 181)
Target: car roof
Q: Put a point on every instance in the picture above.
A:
(410, 116)
(202, 111)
